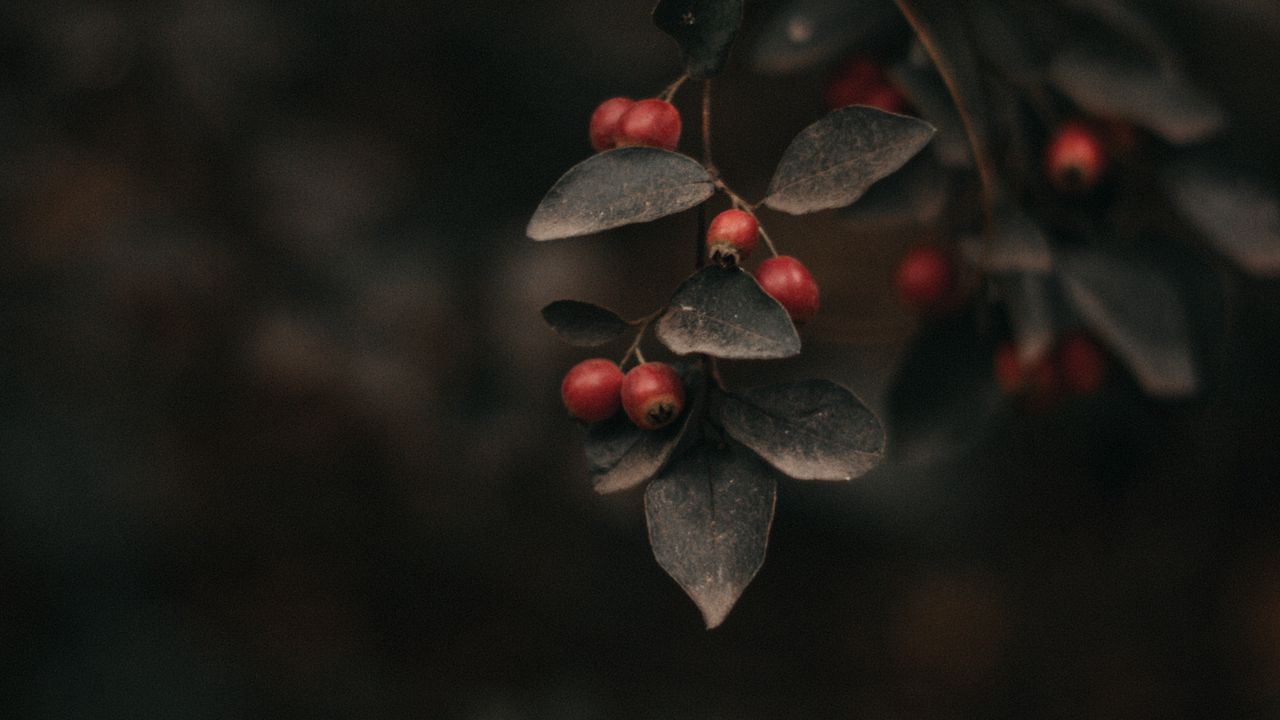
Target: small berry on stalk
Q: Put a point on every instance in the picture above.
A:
(927, 279)
(1075, 159)
(732, 236)
(1084, 368)
(652, 395)
(591, 390)
(604, 122)
(788, 281)
(651, 122)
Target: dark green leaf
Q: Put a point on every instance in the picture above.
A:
(918, 194)
(709, 517)
(584, 324)
(1235, 211)
(723, 312)
(1137, 312)
(811, 430)
(622, 456)
(1004, 41)
(832, 162)
(928, 95)
(806, 33)
(1123, 86)
(704, 29)
(619, 187)
(1018, 245)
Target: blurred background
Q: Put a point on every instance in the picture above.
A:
(280, 433)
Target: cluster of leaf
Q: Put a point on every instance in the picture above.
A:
(995, 76)
(712, 475)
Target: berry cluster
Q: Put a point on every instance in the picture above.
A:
(1076, 366)
(650, 393)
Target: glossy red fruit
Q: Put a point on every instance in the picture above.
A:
(1075, 159)
(789, 282)
(855, 80)
(1084, 367)
(732, 236)
(591, 390)
(652, 395)
(927, 279)
(604, 122)
(651, 122)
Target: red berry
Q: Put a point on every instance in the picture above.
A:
(1075, 160)
(649, 122)
(1037, 383)
(732, 236)
(856, 79)
(652, 395)
(789, 282)
(591, 390)
(1083, 366)
(887, 98)
(604, 122)
(927, 278)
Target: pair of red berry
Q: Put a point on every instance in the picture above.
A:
(621, 121)
(732, 236)
(1078, 366)
(651, 393)
(861, 81)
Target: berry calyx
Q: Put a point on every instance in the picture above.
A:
(926, 278)
(604, 122)
(651, 122)
(1084, 368)
(652, 395)
(1075, 159)
(732, 236)
(788, 281)
(591, 390)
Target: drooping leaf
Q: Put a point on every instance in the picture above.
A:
(832, 162)
(1234, 210)
(1031, 315)
(1137, 312)
(928, 95)
(619, 187)
(811, 430)
(918, 194)
(622, 456)
(709, 517)
(945, 34)
(724, 313)
(806, 33)
(1129, 26)
(584, 324)
(704, 29)
(1017, 245)
(1120, 85)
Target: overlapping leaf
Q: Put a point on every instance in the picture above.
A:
(704, 29)
(928, 95)
(724, 313)
(811, 430)
(1031, 315)
(619, 187)
(1125, 86)
(918, 193)
(832, 162)
(1138, 313)
(709, 516)
(1235, 211)
(584, 324)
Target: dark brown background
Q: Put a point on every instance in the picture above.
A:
(280, 434)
